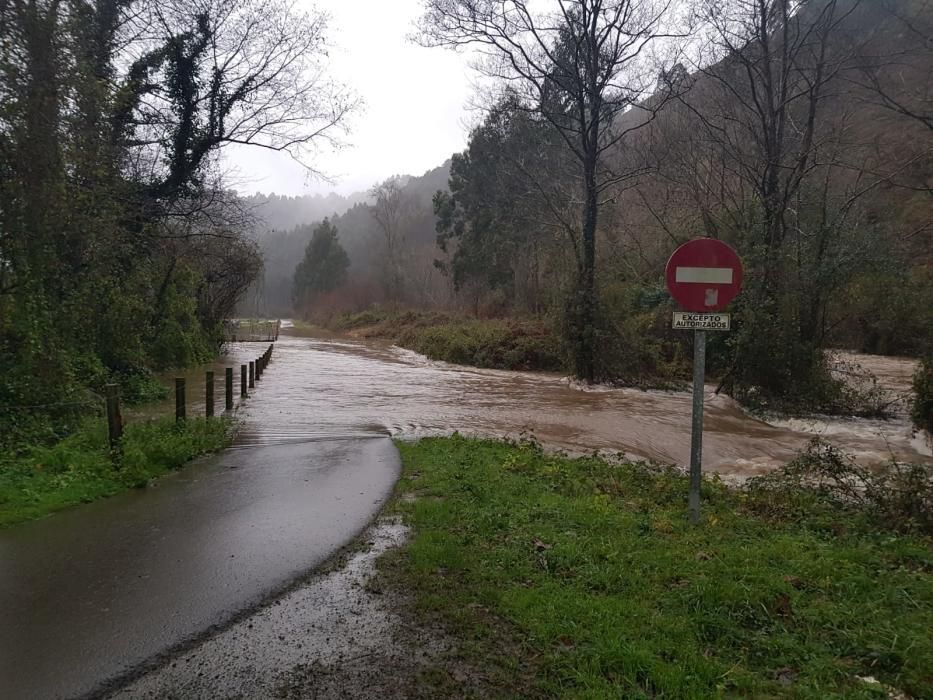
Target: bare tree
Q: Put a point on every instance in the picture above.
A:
(895, 61)
(772, 63)
(390, 210)
(767, 149)
(581, 67)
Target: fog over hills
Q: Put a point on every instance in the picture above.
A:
(275, 212)
(285, 225)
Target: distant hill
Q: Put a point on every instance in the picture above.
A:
(275, 212)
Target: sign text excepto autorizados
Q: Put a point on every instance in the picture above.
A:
(684, 320)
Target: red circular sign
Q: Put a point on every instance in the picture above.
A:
(704, 275)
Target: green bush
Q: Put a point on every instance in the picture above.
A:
(140, 385)
(493, 344)
(922, 406)
(369, 317)
(635, 344)
(823, 484)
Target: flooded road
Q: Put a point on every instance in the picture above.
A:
(341, 387)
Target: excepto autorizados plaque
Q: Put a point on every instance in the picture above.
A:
(687, 321)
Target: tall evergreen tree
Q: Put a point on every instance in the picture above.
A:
(323, 269)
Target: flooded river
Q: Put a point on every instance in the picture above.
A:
(319, 387)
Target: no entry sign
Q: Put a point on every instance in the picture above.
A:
(704, 275)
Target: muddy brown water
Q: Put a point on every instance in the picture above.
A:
(344, 387)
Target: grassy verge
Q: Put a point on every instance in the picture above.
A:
(78, 469)
(577, 578)
(512, 344)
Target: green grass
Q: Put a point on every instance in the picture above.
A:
(78, 469)
(510, 344)
(577, 578)
(495, 344)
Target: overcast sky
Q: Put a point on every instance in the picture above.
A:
(416, 105)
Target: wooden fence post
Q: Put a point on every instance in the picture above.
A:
(243, 393)
(228, 389)
(258, 368)
(179, 399)
(209, 394)
(252, 374)
(114, 419)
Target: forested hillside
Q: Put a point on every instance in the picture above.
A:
(406, 201)
(802, 136)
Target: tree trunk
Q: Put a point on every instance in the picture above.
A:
(587, 285)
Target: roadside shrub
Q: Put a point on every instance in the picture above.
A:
(635, 345)
(824, 483)
(369, 317)
(856, 391)
(140, 385)
(491, 344)
(922, 406)
(773, 369)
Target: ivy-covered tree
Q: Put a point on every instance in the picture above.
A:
(323, 269)
(120, 247)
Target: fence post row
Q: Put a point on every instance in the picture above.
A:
(179, 399)
(248, 374)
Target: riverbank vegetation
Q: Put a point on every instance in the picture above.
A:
(790, 139)
(42, 479)
(510, 344)
(557, 577)
(513, 343)
(656, 358)
(922, 407)
(121, 248)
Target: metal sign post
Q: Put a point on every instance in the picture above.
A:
(696, 434)
(703, 275)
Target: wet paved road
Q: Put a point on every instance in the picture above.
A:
(91, 592)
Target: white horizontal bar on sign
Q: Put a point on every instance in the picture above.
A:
(704, 275)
